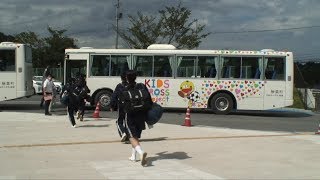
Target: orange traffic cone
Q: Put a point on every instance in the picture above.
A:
(97, 111)
(318, 132)
(187, 120)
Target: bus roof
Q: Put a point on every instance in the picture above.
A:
(167, 51)
(10, 45)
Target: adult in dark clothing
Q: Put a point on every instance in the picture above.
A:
(116, 105)
(135, 122)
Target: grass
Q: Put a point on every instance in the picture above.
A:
(297, 101)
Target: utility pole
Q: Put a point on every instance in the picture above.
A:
(118, 16)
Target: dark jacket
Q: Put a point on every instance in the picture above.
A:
(72, 98)
(116, 94)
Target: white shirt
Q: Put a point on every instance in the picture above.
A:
(48, 86)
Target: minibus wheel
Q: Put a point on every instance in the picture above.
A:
(104, 97)
(221, 103)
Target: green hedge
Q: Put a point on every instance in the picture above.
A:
(297, 99)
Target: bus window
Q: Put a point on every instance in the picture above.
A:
(143, 65)
(100, 65)
(163, 66)
(119, 64)
(207, 66)
(230, 67)
(274, 68)
(250, 68)
(186, 66)
(7, 60)
(28, 55)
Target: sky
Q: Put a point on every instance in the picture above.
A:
(233, 24)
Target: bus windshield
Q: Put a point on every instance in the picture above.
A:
(7, 60)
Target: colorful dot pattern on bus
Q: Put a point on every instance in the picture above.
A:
(240, 89)
(236, 52)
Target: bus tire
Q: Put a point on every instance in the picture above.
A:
(104, 97)
(221, 103)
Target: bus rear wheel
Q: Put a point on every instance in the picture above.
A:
(221, 103)
(104, 97)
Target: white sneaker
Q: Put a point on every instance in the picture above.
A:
(143, 158)
(75, 126)
(132, 159)
(78, 115)
(123, 137)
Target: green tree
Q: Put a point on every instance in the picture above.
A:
(176, 28)
(6, 38)
(144, 30)
(45, 51)
(308, 73)
(37, 44)
(171, 26)
(56, 44)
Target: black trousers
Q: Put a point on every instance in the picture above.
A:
(41, 101)
(46, 106)
(120, 121)
(82, 105)
(71, 110)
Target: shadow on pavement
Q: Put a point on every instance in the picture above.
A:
(268, 113)
(290, 114)
(165, 155)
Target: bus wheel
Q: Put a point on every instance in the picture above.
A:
(221, 103)
(104, 97)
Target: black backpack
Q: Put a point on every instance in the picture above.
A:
(136, 99)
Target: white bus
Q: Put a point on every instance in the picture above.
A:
(15, 71)
(222, 80)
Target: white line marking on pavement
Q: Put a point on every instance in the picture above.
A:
(312, 138)
(160, 169)
(7, 177)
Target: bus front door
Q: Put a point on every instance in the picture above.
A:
(75, 67)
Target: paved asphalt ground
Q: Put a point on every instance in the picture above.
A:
(288, 120)
(243, 145)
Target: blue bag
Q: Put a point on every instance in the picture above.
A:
(154, 114)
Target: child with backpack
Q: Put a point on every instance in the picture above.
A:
(136, 101)
(115, 104)
(81, 91)
(69, 99)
